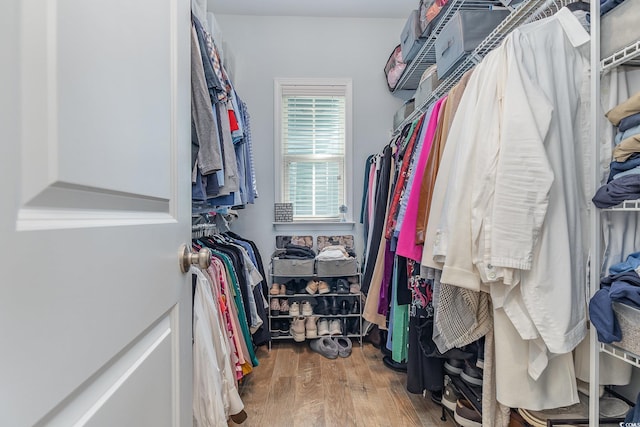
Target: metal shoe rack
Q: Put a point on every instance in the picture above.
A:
(313, 299)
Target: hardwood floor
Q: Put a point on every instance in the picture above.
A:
(295, 387)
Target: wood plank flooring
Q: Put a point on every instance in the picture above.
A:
(295, 387)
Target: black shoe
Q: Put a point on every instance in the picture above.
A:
(436, 397)
(342, 286)
(322, 306)
(275, 328)
(453, 366)
(335, 309)
(344, 307)
(291, 287)
(391, 364)
(284, 327)
(471, 374)
(355, 307)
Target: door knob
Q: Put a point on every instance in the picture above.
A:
(187, 258)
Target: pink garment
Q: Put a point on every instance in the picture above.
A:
(407, 239)
(371, 190)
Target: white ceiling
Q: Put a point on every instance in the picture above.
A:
(325, 8)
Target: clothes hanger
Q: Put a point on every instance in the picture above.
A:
(579, 5)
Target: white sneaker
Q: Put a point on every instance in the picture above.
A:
(307, 310)
(311, 326)
(323, 327)
(294, 309)
(298, 329)
(335, 327)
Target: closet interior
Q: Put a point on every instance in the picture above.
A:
(498, 225)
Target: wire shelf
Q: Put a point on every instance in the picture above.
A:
(628, 55)
(427, 54)
(620, 354)
(529, 11)
(627, 205)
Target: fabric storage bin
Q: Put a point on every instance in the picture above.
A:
(403, 112)
(629, 321)
(411, 38)
(428, 83)
(394, 68)
(337, 267)
(619, 28)
(292, 267)
(462, 34)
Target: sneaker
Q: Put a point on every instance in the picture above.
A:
(311, 327)
(285, 326)
(353, 279)
(325, 346)
(450, 397)
(283, 290)
(344, 346)
(275, 289)
(290, 287)
(294, 309)
(342, 286)
(335, 327)
(323, 327)
(354, 288)
(274, 307)
(466, 415)
(312, 287)
(298, 329)
(453, 366)
(284, 307)
(323, 287)
(275, 328)
(471, 374)
(307, 310)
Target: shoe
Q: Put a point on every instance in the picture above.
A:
(465, 415)
(312, 287)
(311, 327)
(471, 374)
(453, 366)
(323, 327)
(290, 287)
(353, 326)
(284, 306)
(297, 329)
(353, 280)
(354, 288)
(307, 310)
(342, 286)
(323, 287)
(275, 289)
(335, 328)
(344, 307)
(436, 397)
(275, 328)
(393, 365)
(450, 397)
(355, 307)
(335, 309)
(274, 307)
(322, 306)
(294, 310)
(325, 346)
(285, 326)
(344, 346)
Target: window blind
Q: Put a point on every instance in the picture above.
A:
(313, 152)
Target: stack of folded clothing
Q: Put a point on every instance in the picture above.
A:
(292, 251)
(624, 178)
(335, 252)
(622, 285)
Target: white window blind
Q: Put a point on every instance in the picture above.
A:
(313, 147)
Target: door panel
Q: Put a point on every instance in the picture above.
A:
(94, 312)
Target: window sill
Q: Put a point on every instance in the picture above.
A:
(313, 225)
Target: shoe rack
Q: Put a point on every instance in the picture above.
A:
(338, 304)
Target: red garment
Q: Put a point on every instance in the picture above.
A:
(233, 121)
(402, 176)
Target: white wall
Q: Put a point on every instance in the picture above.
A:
(264, 48)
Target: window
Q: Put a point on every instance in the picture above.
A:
(313, 146)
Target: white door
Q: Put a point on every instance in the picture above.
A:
(95, 201)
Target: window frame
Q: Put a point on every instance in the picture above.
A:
(314, 86)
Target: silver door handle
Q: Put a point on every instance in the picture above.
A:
(187, 258)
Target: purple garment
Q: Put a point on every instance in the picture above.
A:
(617, 191)
(385, 297)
